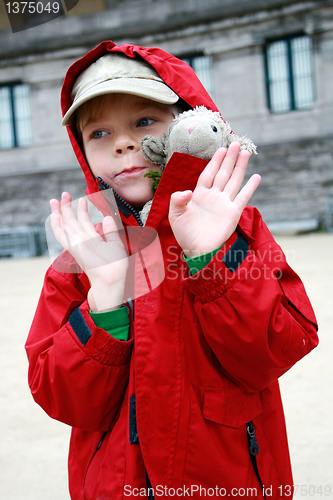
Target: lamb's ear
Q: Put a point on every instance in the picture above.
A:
(153, 149)
(245, 142)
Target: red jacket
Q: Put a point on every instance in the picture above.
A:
(181, 399)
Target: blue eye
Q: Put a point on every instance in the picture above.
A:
(214, 129)
(98, 134)
(144, 122)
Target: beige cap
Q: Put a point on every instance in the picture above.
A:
(117, 73)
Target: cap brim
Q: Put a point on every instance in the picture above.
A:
(142, 87)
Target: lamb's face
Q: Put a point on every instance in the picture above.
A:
(198, 136)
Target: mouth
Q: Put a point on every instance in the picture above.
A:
(131, 172)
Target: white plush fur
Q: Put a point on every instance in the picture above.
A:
(197, 132)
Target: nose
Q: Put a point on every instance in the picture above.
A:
(191, 127)
(123, 144)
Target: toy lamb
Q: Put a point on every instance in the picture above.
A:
(197, 132)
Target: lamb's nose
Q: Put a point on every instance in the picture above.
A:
(191, 127)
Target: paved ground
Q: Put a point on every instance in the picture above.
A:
(33, 448)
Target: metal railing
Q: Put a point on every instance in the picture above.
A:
(329, 213)
(22, 242)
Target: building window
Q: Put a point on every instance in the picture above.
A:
(289, 71)
(202, 65)
(15, 116)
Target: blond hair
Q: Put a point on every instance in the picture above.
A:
(90, 110)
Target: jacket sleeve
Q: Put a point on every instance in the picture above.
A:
(77, 372)
(252, 307)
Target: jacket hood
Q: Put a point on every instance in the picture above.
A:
(178, 75)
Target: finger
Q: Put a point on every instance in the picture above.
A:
(70, 226)
(234, 183)
(109, 226)
(246, 193)
(66, 200)
(67, 211)
(56, 216)
(84, 220)
(228, 165)
(55, 205)
(178, 203)
(57, 228)
(207, 177)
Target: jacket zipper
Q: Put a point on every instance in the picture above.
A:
(93, 455)
(103, 185)
(134, 438)
(149, 488)
(254, 450)
(100, 443)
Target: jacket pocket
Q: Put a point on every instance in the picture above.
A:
(218, 444)
(231, 406)
(217, 449)
(235, 408)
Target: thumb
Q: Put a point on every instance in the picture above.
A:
(178, 202)
(109, 226)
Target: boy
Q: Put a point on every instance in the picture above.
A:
(180, 396)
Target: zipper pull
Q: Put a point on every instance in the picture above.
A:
(254, 448)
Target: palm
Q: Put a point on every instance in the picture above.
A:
(203, 220)
(208, 217)
(103, 260)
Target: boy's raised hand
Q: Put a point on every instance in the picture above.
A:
(204, 219)
(104, 261)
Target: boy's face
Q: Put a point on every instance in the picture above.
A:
(112, 144)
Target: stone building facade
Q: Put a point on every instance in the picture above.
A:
(295, 142)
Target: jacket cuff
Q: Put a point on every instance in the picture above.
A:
(115, 322)
(96, 342)
(195, 264)
(227, 266)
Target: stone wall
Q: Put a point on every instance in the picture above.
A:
(295, 149)
(297, 177)
(25, 198)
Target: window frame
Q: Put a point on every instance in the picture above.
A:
(190, 57)
(291, 77)
(14, 119)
